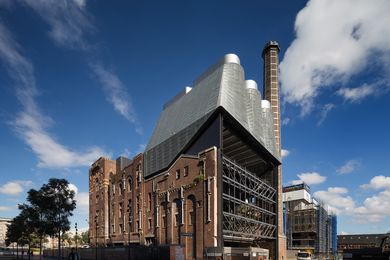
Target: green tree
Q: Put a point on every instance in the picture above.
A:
(18, 230)
(84, 237)
(37, 215)
(46, 213)
(60, 203)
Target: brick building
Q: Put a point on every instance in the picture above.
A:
(363, 241)
(209, 179)
(363, 246)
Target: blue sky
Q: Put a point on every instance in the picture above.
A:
(82, 78)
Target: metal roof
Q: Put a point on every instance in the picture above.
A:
(223, 85)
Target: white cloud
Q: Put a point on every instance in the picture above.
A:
(73, 187)
(31, 124)
(310, 178)
(355, 95)
(115, 90)
(5, 208)
(51, 153)
(67, 19)
(337, 200)
(14, 188)
(375, 208)
(324, 112)
(141, 148)
(285, 153)
(330, 47)
(349, 167)
(82, 199)
(126, 153)
(286, 121)
(70, 23)
(378, 182)
(80, 3)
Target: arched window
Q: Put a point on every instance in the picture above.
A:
(177, 218)
(120, 186)
(129, 184)
(191, 220)
(164, 222)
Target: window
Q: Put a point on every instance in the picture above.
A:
(201, 167)
(163, 222)
(129, 185)
(149, 201)
(191, 218)
(185, 171)
(149, 223)
(120, 188)
(137, 227)
(120, 228)
(177, 174)
(138, 174)
(177, 219)
(129, 208)
(120, 209)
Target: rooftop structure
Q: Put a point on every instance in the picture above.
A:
(222, 87)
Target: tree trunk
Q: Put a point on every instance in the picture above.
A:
(59, 245)
(17, 251)
(40, 248)
(28, 252)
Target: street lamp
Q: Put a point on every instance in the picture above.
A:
(75, 225)
(96, 236)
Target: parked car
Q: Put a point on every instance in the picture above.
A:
(303, 256)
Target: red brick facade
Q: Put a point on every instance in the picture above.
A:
(177, 206)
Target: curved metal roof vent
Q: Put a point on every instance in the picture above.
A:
(231, 58)
(250, 84)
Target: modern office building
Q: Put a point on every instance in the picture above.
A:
(209, 181)
(308, 225)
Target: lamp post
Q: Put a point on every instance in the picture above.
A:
(75, 225)
(96, 237)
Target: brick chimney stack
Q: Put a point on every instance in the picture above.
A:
(271, 85)
(271, 93)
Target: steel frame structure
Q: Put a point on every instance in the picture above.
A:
(249, 204)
